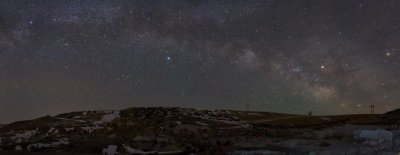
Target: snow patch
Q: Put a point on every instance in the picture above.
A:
(110, 117)
(374, 137)
(23, 137)
(131, 150)
(60, 141)
(37, 146)
(52, 130)
(201, 123)
(97, 123)
(90, 129)
(18, 148)
(77, 117)
(110, 150)
(326, 118)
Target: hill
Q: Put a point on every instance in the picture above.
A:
(395, 112)
(161, 130)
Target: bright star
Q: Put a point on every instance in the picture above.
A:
(388, 54)
(322, 67)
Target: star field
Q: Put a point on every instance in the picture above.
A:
(290, 56)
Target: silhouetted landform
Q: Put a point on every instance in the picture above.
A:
(161, 130)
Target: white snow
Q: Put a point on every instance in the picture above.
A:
(23, 137)
(18, 148)
(375, 136)
(98, 123)
(37, 146)
(131, 150)
(348, 129)
(201, 123)
(110, 117)
(107, 118)
(110, 150)
(325, 118)
(90, 129)
(136, 151)
(60, 141)
(69, 129)
(143, 117)
(51, 130)
(76, 117)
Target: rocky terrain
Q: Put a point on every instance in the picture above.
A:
(184, 131)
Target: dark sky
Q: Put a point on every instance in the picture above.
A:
(291, 56)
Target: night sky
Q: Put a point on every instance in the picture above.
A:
(290, 56)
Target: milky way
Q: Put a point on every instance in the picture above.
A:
(329, 57)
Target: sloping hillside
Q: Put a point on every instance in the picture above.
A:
(145, 129)
(163, 130)
(393, 113)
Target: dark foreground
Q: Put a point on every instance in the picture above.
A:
(184, 131)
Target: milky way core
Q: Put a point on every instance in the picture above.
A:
(289, 56)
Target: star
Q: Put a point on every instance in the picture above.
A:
(386, 96)
(216, 53)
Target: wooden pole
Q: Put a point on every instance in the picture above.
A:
(372, 109)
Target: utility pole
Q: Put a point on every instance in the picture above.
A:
(372, 109)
